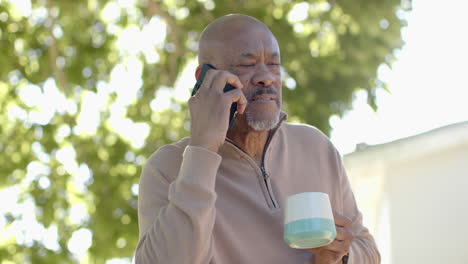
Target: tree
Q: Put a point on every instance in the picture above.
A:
(84, 101)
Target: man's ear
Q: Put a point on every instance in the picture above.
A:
(197, 72)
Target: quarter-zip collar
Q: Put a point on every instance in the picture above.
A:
(283, 117)
(269, 196)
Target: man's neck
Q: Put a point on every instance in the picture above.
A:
(251, 141)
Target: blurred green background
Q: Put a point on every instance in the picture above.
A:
(89, 89)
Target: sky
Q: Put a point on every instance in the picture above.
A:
(427, 84)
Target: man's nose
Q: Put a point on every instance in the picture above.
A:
(263, 76)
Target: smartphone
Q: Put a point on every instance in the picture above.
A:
(227, 88)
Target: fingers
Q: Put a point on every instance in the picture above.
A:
(324, 255)
(341, 220)
(332, 252)
(339, 246)
(223, 77)
(342, 243)
(343, 233)
(215, 81)
(207, 80)
(237, 96)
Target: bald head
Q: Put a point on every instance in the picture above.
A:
(245, 47)
(220, 35)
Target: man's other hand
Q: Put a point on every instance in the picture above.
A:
(334, 252)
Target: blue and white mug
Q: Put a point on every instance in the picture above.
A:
(308, 221)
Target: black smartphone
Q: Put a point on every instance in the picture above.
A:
(227, 88)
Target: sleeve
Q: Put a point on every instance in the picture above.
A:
(363, 249)
(176, 219)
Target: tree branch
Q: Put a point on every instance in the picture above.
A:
(175, 33)
(53, 51)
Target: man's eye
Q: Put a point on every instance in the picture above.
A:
(247, 65)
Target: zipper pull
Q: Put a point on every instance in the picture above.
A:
(265, 178)
(265, 175)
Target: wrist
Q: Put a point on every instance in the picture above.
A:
(211, 147)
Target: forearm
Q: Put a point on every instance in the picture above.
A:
(363, 251)
(179, 234)
(181, 231)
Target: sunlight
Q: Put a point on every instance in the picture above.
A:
(89, 119)
(67, 156)
(427, 89)
(127, 3)
(427, 83)
(299, 12)
(80, 242)
(111, 12)
(154, 32)
(130, 41)
(30, 94)
(126, 80)
(50, 238)
(38, 16)
(184, 84)
(83, 178)
(26, 230)
(162, 99)
(63, 131)
(48, 102)
(16, 112)
(383, 237)
(78, 214)
(135, 132)
(119, 261)
(9, 197)
(22, 6)
(34, 170)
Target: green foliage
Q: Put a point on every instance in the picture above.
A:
(61, 55)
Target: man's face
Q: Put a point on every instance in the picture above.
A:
(254, 56)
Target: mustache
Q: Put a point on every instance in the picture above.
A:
(261, 91)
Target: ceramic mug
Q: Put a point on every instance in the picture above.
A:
(308, 221)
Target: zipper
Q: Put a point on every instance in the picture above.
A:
(265, 179)
(262, 166)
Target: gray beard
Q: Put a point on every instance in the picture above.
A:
(262, 125)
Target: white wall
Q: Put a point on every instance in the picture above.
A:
(415, 204)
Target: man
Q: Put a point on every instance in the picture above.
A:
(218, 196)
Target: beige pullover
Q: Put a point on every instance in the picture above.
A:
(199, 207)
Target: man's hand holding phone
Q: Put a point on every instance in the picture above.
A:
(210, 108)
